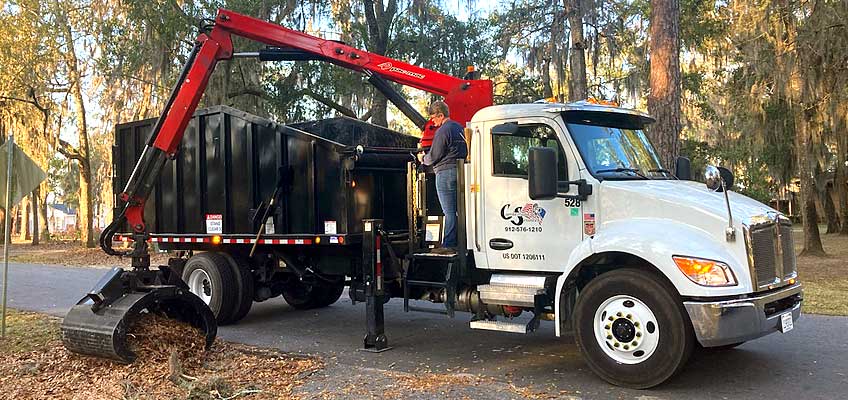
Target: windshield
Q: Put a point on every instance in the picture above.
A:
(611, 152)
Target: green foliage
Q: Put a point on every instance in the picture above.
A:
(63, 181)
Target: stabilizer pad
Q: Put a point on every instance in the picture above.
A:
(104, 333)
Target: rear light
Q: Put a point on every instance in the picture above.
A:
(216, 239)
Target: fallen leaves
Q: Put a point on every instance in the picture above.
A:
(172, 364)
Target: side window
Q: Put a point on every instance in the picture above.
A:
(510, 151)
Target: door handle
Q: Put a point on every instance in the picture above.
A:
(500, 244)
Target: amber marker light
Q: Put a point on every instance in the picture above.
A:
(317, 239)
(705, 272)
(216, 239)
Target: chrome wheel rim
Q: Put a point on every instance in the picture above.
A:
(626, 329)
(200, 284)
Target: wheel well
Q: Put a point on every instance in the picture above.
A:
(593, 267)
(600, 263)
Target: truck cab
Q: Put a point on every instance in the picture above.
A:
(647, 266)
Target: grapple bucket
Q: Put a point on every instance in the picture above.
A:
(97, 325)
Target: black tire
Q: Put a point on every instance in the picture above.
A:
(221, 283)
(303, 296)
(675, 342)
(329, 293)
(245, 284)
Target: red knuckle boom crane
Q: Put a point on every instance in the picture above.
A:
(97, 324)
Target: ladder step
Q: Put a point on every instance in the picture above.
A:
(434, 256)
(501, 326)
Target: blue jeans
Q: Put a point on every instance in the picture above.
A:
(446, 189)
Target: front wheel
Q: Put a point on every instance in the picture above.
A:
(632, 328)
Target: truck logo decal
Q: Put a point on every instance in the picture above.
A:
(530, 212)
(387, 66)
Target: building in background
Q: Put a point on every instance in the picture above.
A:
(61, 218)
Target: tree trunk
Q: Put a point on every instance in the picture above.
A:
(35, 220)
(812, 237)
(82, 153)
(840, 180)
(664, 97)
(2, 225)
(577, 84)
(830, 210)
(24, 224)
(43, 222)
(379, 21)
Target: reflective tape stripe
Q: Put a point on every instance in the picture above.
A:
(207, 239)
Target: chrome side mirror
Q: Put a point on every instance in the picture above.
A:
(712, 177)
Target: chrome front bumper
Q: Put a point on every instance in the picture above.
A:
(725, 322)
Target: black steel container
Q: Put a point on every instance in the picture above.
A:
(230, 162)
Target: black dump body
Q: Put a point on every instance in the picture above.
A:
(230, 162)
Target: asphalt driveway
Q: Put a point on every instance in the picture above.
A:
(811, 362)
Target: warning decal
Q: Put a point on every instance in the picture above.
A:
(214, 223)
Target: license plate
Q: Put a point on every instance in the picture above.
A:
(786, 322)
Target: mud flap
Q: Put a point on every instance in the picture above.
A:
(98, 324)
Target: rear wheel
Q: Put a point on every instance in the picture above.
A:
(244, 283)
(210, 276)
(632, 329)
(304, 296)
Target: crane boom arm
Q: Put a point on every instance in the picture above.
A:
(463, 96)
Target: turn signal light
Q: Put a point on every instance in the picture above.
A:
(705, 272)
(317, 239)
(216, 239)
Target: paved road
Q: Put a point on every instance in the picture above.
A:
(811, 362)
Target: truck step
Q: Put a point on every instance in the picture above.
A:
(512, 290)
(513, 295)
(501, 326)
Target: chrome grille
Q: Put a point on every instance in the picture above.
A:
(771, 252)
(788, 245)
(765, 259)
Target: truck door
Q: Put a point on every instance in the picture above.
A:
(520, 233)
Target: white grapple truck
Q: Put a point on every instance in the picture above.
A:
(565, 214)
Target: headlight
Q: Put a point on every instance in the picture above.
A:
(705, 272)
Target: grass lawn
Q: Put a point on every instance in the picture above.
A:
(825, 279)
(27, 332)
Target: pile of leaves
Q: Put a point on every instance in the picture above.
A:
(172, 363)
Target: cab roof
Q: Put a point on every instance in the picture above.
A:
(514, 111)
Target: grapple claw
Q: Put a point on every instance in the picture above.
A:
(98, 324)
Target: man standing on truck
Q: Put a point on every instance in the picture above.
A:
(448, 146)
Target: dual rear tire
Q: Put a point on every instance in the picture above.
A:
(222, 282)
(226, 284)
(319, 294)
